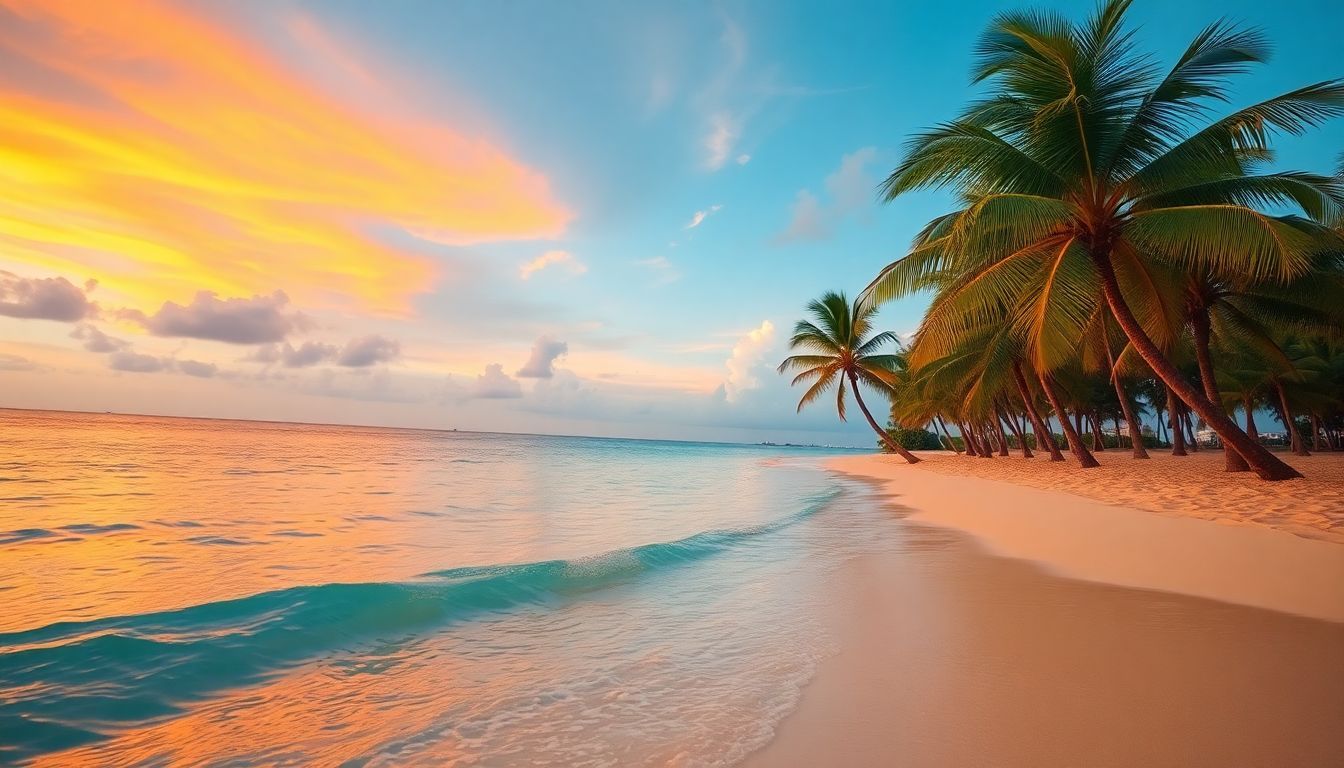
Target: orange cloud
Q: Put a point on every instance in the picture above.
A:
(162, 153)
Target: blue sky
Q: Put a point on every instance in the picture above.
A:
(596, 132)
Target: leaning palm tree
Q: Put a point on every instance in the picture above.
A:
(1240, 313)
(1082, 172)
(840, 347)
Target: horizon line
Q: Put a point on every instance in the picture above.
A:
(443, 430)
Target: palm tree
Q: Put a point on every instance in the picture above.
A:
(1240, 313)
(839, 346)
(1081, 178)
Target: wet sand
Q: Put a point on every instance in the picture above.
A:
(951, 655)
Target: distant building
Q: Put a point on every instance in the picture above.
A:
(1207, 437)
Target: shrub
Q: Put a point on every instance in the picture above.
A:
(913, 439)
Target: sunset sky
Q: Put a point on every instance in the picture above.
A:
(581, 217)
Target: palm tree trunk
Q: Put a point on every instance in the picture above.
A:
(982, 440)
(1199, 321)
(1021, 438)
(1316, 433)
(1126, 407)
(972, 446)
(1098, 444)
(1177, 431)
(1192, 439)
(881, 433)
(1076, 447)
(1249, 407)
(951, 444)
(1044, 436)
(946, 444)
(986, 440)
(972, 450)
(1003, 439)
(1294, 438)
(1266, 465)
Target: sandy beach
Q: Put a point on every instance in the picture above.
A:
(1018, 624)
(1185, 486)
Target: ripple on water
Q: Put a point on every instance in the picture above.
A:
(223, 541)
(93, 528)
(25, 534)
(62, 533)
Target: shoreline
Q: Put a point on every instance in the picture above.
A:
(1238, 561)
(1019, 626)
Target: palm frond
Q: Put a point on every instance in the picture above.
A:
(1228, 240)
(1319, 197)
(1222, 148)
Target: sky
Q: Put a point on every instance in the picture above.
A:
(592, 217)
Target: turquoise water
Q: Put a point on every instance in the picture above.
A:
(228, 593)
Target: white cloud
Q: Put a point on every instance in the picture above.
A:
(743, 159)
(254, 320)
(563, 259)
(722, 135)
(309, 353)
(849, 191)
(541, 362)
(369, 350)
(361, 352)
(495, 384)
(565, 393)
(700, 216)
(48, 298)
(97, 341)
(746, 362)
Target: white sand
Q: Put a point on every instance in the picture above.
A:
(1256, 565)
(1187, 486)
(954, 657)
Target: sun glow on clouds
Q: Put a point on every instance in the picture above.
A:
(563, 259)
(748, 355)
(162, 153)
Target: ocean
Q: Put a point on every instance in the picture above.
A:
(204, 592)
